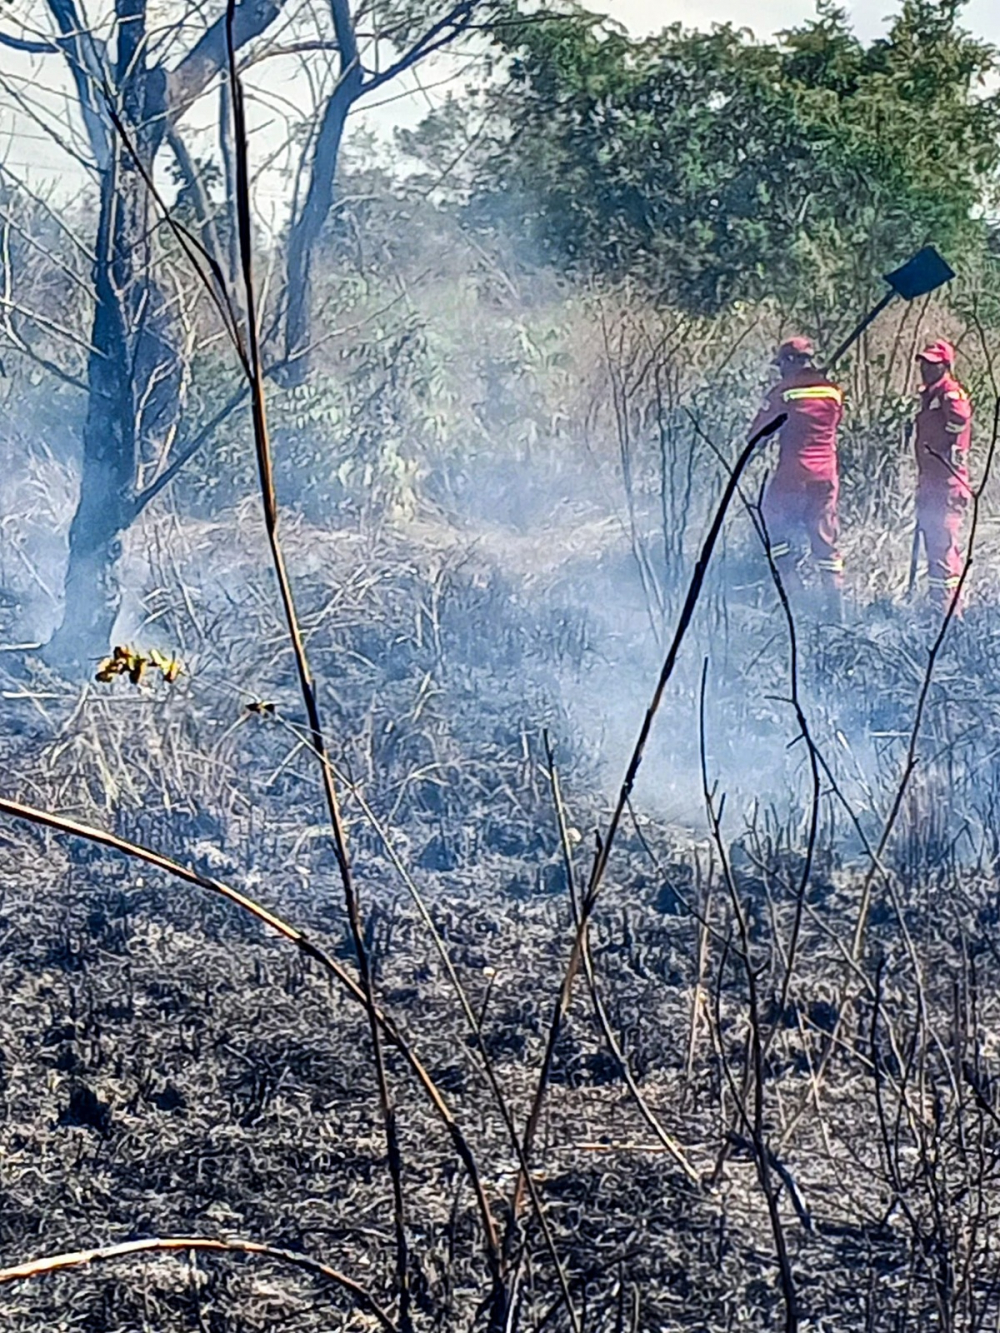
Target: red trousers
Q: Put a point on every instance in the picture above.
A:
(793, 506)
(940, 516)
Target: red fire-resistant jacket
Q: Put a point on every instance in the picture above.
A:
(808, 439)
(941, 438)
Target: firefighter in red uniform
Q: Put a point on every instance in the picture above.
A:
(802, 493)
(942, 433)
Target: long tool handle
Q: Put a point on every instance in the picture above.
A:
(914, 562)
(859, 329)
(911, 581)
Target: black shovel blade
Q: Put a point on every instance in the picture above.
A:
(925, 272)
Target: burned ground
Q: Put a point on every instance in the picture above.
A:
(171, 1068)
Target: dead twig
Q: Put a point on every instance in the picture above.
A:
(606, 843)
(56, 1263)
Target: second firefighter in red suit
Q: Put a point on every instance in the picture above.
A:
(801, 497)
(942, 435)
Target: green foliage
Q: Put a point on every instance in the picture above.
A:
(343, 441)
(724, 168)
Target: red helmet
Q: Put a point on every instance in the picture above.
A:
(795, 349)
(938, 353)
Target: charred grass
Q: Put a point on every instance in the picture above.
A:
(167, 1067)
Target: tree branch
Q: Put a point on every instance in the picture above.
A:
(85, 56)
(305, 229)
(29, 47)
(55, 215)
(60, 134)
(292, 49)
(54, 1263)
(51, 325)
(343, 29)
(16, 345)
(189, 172)
(441, 34)
(209, 55)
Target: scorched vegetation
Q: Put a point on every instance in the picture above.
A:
(463, 892)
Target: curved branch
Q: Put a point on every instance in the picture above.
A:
(54, 1263)
(605, 844)
(439, 35)
(29, 47)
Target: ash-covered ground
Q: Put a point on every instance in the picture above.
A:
(829, 1004)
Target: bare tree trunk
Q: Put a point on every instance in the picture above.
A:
(124, 296)
(227, 148)
(134, 371)
(107, 474)
(307, 227)
(305, 233)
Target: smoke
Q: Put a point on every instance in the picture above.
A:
(37, 497)
(538, 446)
(561, 524)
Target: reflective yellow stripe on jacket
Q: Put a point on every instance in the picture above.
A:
(813, 391)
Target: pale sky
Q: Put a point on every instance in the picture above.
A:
(32, 155)
(764, 17)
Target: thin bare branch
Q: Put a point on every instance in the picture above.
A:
(55, 1263)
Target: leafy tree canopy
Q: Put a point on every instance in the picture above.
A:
(722, 168)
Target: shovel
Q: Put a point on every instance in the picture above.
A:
(924, 273)
(911, 582)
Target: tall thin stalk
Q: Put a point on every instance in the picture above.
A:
(307, 683)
